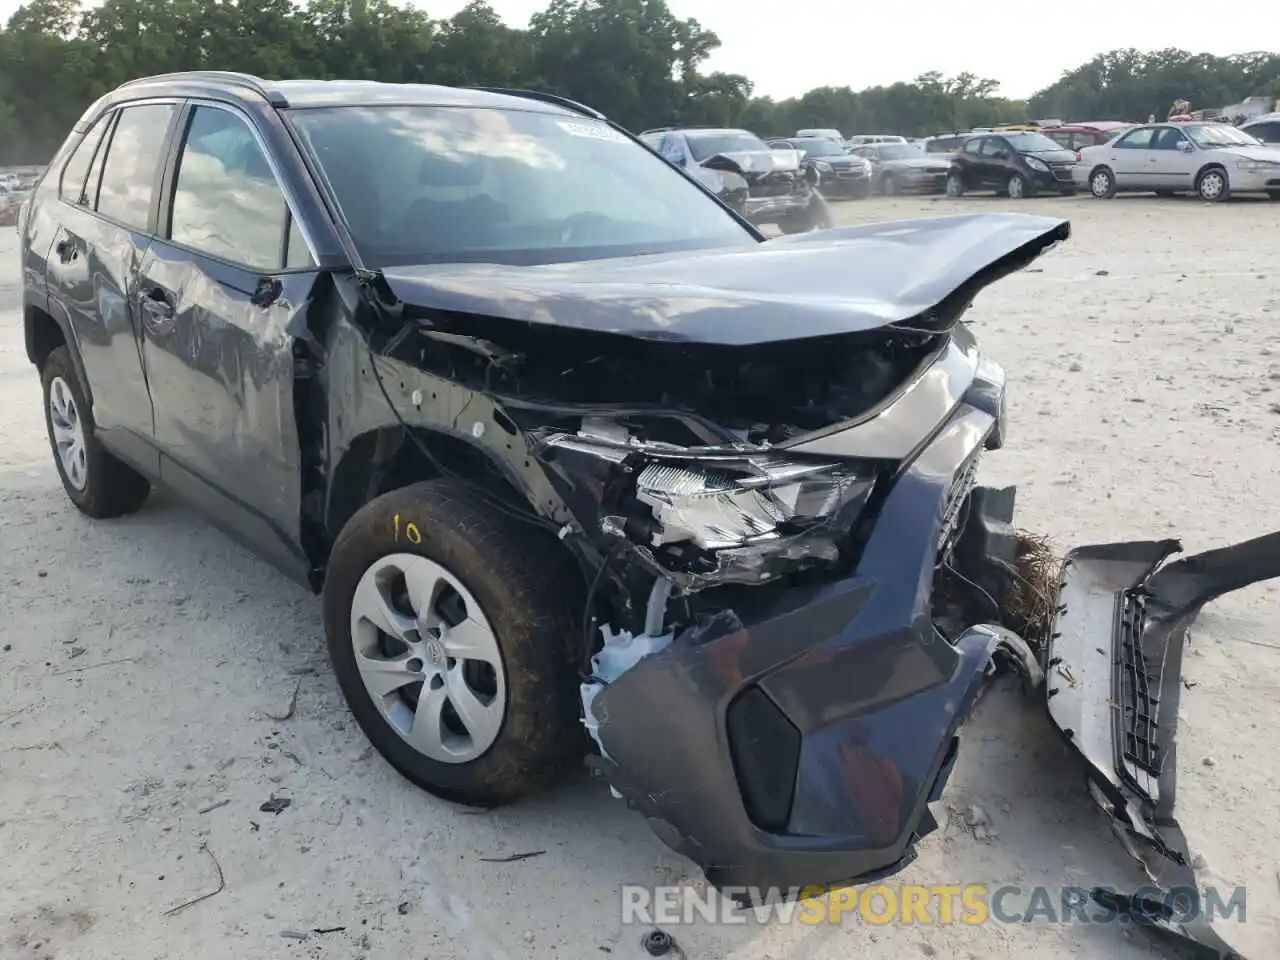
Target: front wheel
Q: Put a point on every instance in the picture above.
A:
(100, 485)
(1018, 187)
(816, 215)
(1212, 186)
(451, 630)
(889, 185)
(955, 185)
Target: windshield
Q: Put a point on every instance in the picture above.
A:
(420, 184)
(1031, 142)
(1212, 135)
(819, 148)
(897, 151)
(704, 145)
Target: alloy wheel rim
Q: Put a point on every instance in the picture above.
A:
(428, 658)
(68, 433)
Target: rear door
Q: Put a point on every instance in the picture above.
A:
(224, 287)
(995, 157)
(1130, 159)
(108, 195)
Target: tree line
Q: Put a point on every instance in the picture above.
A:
(633, 59)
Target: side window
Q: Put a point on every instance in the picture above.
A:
(1266, 132)
(226, 201)
(993, 147)
(132, 161)
(1064, 139)
(974, 146)
(672, 147)
(71, 186)
(1138, 139)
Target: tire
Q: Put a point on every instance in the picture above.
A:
(955, 185)
(1102, 183)
(1019, 187)
(517, 585)
(889, 185)
(1212, 185)
(815, 216)
(99, 484)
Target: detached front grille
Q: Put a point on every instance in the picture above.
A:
(1137, 685)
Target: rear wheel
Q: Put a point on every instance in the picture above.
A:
(1102, 183)
(100, 485)
(1212, 185)
(451, 629)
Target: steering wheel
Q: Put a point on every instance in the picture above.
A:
(578, 223)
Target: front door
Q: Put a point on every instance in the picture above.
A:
(227, 277)
(1173, 160)
(107, 194)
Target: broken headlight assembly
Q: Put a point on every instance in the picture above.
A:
(713, 515)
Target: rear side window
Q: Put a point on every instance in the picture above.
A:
(1266, 132)
(1138, 139)
(226, 201)
(71, 186)
(133, 160)
(974, 146)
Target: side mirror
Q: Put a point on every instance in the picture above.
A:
(1185, 146)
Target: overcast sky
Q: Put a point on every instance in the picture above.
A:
(790, 46)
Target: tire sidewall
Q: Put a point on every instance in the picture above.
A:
(1205, 175)
(58, 365)
(956, 191)
(538, 684)
(1110, 190)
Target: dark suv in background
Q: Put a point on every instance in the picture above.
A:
(1015, 165)
(834, 170)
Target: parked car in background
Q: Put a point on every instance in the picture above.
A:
(834, 172)
(1266, 129)
(946, 142)
(826, 133)
(1077, 136)
(1212, 160)
(1017, 165)
(864, 138)
(765, 186)
(902, 168)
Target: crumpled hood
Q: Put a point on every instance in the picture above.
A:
(838, 281)
(760, 161)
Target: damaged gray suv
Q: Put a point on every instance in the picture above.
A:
(584, 465)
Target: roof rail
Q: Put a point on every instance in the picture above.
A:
(545, 97)
(245, 81)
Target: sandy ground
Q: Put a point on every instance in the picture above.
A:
(141, 659)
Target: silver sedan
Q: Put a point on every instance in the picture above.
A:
(1213, 160)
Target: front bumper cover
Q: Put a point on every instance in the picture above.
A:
(1113, 681)
(801, 749)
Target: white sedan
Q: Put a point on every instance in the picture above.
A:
(1213, 160)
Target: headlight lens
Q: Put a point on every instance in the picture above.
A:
(1036, 164)
(1257, 166)
(718, 506)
